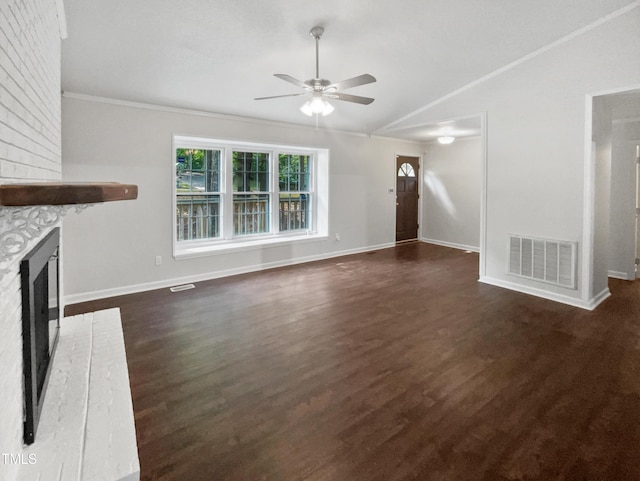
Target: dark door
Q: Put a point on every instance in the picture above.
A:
(406, 198)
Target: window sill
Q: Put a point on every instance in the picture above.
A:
(239, 245)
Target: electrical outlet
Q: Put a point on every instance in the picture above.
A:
(158, 260)
(337, 236)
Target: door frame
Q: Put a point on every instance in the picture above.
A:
(418, 156)
(635, 149)
(589, 252)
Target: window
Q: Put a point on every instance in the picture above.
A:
(406, 170)
(197, 194)
(231, 195)
(251, 193)
(294, 182)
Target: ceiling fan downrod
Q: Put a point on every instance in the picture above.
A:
(316, 32)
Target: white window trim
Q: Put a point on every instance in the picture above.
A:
(226, 243)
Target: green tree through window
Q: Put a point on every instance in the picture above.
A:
(294, 198)
(198, 194)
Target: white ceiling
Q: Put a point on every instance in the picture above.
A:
(217, 55)
(465, 127)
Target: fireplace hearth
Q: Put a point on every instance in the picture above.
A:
(40, 324)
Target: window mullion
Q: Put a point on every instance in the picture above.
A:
(311, 187)
(275, 192)
(227, 194)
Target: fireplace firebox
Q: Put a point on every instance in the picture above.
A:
(40, 324)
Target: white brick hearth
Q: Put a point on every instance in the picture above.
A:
(86, 430)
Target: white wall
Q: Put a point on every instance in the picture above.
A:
(452, 177)
(538, 138)
(29, 150)
(622, 248)
(111, 248)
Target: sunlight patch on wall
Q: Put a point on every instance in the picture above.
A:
(439, 192)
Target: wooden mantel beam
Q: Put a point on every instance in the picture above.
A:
(56, 193)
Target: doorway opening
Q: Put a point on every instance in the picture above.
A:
(615, 182)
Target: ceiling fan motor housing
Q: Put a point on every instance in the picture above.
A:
(318, 83)
(316, 32)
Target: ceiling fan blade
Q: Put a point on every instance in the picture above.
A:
(350, 98)
(280, 96)
(353, 82)
(291, 80)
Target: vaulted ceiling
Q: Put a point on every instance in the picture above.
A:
(217, 55)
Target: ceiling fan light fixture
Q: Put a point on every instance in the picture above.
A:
(327, 108)
(317, 105)
(306, 108)
(447, 139)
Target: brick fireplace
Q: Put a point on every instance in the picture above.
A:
(30, 142)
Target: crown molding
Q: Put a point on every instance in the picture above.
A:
(227, 117)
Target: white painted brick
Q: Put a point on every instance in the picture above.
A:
(29, 150)
(30, 61)
(87, 416)
(11, 363)
(61, 431)
(111, 451)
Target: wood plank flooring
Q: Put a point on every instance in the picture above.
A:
(395, 365)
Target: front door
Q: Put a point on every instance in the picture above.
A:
(406, 198)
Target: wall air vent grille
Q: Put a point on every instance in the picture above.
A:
(184, 287)
(544, 260)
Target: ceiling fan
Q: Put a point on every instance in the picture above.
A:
(320, 89)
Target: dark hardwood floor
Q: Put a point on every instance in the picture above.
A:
(387, 366)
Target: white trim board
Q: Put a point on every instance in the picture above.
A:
(166, 283)
(453, 245)
(621, 275)
(628, 120)
(482, 268)
(589, 305)
(438, 121)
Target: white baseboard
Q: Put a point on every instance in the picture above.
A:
(598, 299)
(590, 305)
(165, 283)
(621, 275)
(450, 244)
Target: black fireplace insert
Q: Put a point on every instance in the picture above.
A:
(40, 324)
